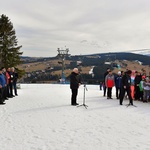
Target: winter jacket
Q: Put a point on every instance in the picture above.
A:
(109, 81)
(146, 86)
(118, 81)
(126, 81)
(74, 80)
(2, 80)
(7, 77)
(137, 80)
(141, 85)
(10, 76)
(15, 76)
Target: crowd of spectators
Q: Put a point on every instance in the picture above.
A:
(8, 81)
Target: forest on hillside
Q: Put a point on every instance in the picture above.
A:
(100, 62)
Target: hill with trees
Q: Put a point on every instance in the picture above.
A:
(92, 67)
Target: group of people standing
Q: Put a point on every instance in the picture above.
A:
(8, 81)
(133, 84)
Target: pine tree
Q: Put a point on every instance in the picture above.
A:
(9, 50)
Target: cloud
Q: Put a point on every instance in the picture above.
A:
(84, 26)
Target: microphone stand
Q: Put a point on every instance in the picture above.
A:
(85, 88)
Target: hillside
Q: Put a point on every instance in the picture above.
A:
(50, 69)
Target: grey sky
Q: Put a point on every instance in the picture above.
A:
(83, 26)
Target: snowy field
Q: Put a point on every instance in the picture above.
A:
(41, 118)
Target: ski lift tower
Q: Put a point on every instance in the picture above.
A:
(62, 54)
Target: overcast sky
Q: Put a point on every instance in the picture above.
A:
(83, 26)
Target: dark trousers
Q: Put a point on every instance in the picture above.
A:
(118, 92)
(122, 94)
(10, 89)
(137, 92)
(105, 90)
(74, 96)
(109, 92)
(141, 95)
(100, 87)
(15, 87)
(5, 92)
(145, 95)
(1, 95)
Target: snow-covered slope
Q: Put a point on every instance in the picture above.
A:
(41, 118)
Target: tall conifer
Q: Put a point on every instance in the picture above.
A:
(9, 49)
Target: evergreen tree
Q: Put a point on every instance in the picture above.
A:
(9, 50)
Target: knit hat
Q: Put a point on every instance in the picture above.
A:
(119, 72)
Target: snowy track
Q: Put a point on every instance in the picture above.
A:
(41, 118)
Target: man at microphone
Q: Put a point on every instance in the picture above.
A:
(75, 82)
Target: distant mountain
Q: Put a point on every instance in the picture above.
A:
(142, 52)
(96, 59)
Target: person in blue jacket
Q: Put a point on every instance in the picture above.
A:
(2, 86)
(118, 80)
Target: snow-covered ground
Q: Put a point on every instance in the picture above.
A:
(41, 118)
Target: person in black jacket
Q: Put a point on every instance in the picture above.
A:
(137, 81)
(15, 77)
(10, 82)
(74, 85)
(126, 87)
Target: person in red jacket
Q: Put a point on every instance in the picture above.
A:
(110, 83)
